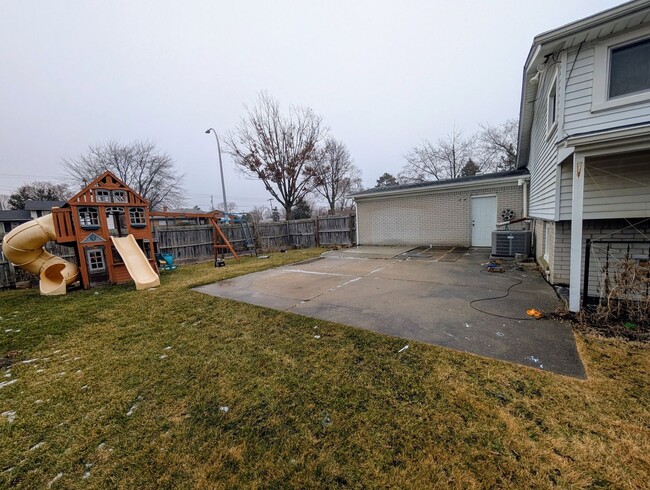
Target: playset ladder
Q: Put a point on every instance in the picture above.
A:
(223, 245)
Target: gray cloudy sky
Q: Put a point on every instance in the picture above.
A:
(383, 74)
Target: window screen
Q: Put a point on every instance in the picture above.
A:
(629, 69)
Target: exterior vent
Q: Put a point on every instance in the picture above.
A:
(507, 243)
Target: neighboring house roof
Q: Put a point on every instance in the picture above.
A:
(444, 184)
(589, 29)
(42, 205)
(15, 215)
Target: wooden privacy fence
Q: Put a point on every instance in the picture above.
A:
(194, 243)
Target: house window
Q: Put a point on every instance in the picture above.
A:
(96, 261)
(137, 218)
(629, 69)
(89, 218)
(119, 196)
(102, 195)
(551, 114)
(621, 71)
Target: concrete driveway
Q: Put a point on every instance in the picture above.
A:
(423, 295)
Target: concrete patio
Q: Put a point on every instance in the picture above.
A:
(424, 296)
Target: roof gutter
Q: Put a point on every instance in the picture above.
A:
(440, 187)
(591, 21)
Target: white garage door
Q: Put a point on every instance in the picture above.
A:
(484, 220)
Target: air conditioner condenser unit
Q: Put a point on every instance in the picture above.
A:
(507, 243)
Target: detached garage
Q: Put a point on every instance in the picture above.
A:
(459, 212)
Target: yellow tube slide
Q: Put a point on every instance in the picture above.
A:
(23, 246)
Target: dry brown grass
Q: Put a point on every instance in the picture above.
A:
(428, 417)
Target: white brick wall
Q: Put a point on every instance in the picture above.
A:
(435, 217)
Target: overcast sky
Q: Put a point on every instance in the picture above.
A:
(382, 74)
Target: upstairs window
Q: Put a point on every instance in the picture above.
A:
(102, 195)
(622, 71)
(89, 218)
(629, 69)
(137, 218)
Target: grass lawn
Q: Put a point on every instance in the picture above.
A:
(118, 388)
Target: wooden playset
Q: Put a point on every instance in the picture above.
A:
(109, 226)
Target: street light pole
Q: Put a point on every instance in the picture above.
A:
(223, 183)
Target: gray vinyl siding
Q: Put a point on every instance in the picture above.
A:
(578, 117)
(615, 187)
(543, 154)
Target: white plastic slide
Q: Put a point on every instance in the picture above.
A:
(136, 262)
(23, 246)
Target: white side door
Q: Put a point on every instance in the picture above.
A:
(484, 220)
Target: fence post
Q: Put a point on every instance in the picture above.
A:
(317, 231)
(288, 234)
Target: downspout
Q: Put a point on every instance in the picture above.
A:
(524, 183)
(356, 223)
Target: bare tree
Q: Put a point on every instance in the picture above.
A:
(38, 191)
(282, 150)
(442, 160)
(144, 168)
(257, 214)
(497, 145)
(336, 176)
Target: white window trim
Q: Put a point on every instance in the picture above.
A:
(547, 241)
(599, 97)
(551, 126)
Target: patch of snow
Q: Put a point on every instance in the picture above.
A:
(10, 415)
(168, 347)
(164, 356)
(133, 407)
(403, 348)
(54, 480)
(36, 446)
(224, 409)
(7, 383)
(29, 361)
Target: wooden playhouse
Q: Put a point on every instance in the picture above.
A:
(103, 222)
